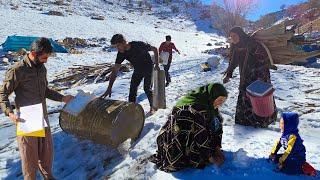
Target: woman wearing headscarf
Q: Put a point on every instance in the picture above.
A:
(191, 138)
(254, 64)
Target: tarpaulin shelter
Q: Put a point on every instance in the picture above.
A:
(282, 45)
(15, 43)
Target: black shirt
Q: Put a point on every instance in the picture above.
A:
(138, 55)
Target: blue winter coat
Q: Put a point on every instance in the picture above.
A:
(291, 142)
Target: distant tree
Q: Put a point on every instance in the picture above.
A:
(267, 20)
(234, 13)
(144, 4)
(194, 3)
(167, 1)
(283, 6)
(312, 12)
(205, 14)
(314, 4)
(295, 10)
(175, 9)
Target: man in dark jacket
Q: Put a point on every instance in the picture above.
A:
(28, 80)
(137, 53)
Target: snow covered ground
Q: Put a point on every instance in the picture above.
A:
(246, 148)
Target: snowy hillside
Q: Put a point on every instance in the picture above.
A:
(246, 148)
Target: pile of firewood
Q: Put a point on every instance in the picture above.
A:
(10, 57)
(282, 45)
(81, 74)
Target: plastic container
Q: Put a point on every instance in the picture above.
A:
(261, 97)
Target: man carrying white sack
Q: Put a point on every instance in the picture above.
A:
(28, 80)
(167, 47)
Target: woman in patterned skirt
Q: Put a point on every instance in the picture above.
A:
(191, 138)
(254, 64)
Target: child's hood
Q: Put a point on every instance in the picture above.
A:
(291, 122)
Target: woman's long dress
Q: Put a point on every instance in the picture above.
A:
(255, 67)
(188, 139)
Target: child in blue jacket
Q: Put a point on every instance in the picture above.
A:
(294, 156)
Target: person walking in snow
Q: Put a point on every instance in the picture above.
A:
(28, 80)
(253, 63)
(167, 47)
(191, 138)
(293, 160)
(137, 53)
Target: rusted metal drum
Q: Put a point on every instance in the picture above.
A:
(105, 121)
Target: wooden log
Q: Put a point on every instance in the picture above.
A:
(82, 74)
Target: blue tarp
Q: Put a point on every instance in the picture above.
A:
(15, 43)
(310, 48)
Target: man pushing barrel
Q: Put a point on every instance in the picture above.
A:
(137, 53)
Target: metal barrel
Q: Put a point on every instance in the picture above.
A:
(105, 121)
(159, 92)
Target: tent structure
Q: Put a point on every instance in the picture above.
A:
(281, 46)
(15, 43)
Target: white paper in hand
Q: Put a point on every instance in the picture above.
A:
(32, 117)
(78, 103)
(45, 123)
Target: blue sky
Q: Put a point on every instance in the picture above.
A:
(264, 6)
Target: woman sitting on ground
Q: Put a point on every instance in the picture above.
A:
(191, 138)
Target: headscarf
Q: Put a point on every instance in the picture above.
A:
(204, 96)
(239, 51)
(243, 37)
